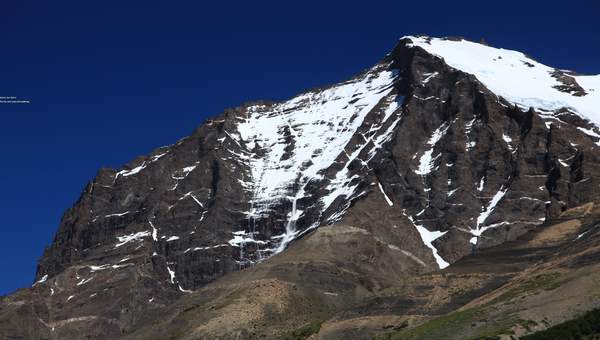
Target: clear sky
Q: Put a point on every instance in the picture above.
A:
(111, 81)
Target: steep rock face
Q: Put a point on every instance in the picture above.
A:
(495, 166)
(435, 152)
(239, 189)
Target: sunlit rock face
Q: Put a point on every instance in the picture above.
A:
(460, 146)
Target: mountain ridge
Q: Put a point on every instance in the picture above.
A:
(416, 158)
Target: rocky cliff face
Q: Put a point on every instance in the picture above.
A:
(442, 149)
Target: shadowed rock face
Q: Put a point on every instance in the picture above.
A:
(402, 170)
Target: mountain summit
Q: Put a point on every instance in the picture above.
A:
(451, 177)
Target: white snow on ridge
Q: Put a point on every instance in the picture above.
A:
(514, 76)
(133, 171)
(159, 156)
(41, 280)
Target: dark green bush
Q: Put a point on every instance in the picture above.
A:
(577, 329)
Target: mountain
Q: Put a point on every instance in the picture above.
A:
(450, 191)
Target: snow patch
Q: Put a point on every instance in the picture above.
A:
(117, 215)
(241, 237)
(131, 237)
(508, 141)
(159, 156)
(206, 248)
(41, 280)
(154, 231)
(84, 281)
(427, 161)
(183, 290)
(171, 274)
(107, 266)
(387, 199)
(480, 227)
(126, 173)
(428, 77)
(481, 184)
(428, 237)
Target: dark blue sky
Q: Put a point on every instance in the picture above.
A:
(110, 82)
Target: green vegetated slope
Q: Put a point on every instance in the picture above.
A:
(586, 326)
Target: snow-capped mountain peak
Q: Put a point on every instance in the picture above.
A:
(443, 148)
(518, 78)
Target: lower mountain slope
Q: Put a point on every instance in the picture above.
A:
(342, 282)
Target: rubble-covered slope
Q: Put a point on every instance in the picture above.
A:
(339, 282)
(442, 148)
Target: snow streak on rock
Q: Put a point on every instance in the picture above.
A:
(427, 160)
(481, 227)
(42, 280)
(131, 237)
(387, 199)
(428, 237)
(126, 173)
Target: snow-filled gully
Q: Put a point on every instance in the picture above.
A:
(319, 125)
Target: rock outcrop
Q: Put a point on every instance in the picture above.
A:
(441, 150)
